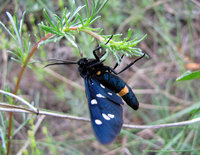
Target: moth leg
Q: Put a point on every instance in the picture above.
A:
(98, 48)
(129, 65)
(132, 63)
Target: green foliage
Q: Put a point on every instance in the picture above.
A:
(67, 26)
(189, 76)
(21, 45)
(125, 47)
(33, 143)
(64, 27)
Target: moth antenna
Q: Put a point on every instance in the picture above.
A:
(61, 63)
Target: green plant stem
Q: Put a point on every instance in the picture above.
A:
(77, 28)
(93, 34)
(17, 86)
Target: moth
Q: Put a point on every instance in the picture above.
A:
(104, 91)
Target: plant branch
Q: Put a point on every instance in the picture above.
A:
(4, 107)
(20, 99)
(78, 28)
(95, 35)
(19, 109)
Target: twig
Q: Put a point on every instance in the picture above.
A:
(19, 99)
(55, 114)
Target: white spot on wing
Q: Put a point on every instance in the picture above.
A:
(105, 117)
(111, 115)
(102, 86)
(109, 93)
(98, 122)
(100, 96)
(93, 101)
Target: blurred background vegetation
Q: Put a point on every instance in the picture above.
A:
(173, 43)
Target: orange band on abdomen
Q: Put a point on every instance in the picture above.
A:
(124, 91)
(98, 73)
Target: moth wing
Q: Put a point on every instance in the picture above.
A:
(105, 111)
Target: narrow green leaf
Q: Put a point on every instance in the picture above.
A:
(115, 36)
(70, 38)
(51, 30)
(92, 14)
(27, 44)
(74, 21)
(7, 31)
(98, 3)
(12, 58)
(20, 53)
(21, 23)
(94, 19)
(65, 16)
(93, 6)
(135, 51)
(125, 53)
(117, 57)
(171, 142)
(14, 26)
(75, 13)
(189, 76)
(13, 53)
(66, 19)
(128, 36)
(16, 22)
(48, 19)
(25, 121)
(87, 8)
(81, 20)
(59, 25)
(101, 7)
(137, 41)
(58, 18)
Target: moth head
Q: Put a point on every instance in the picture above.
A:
(82, 61)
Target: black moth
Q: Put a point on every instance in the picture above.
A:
(104, 90)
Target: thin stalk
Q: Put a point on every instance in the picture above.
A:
(17, 87)
(78, 28)
(17, 109)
